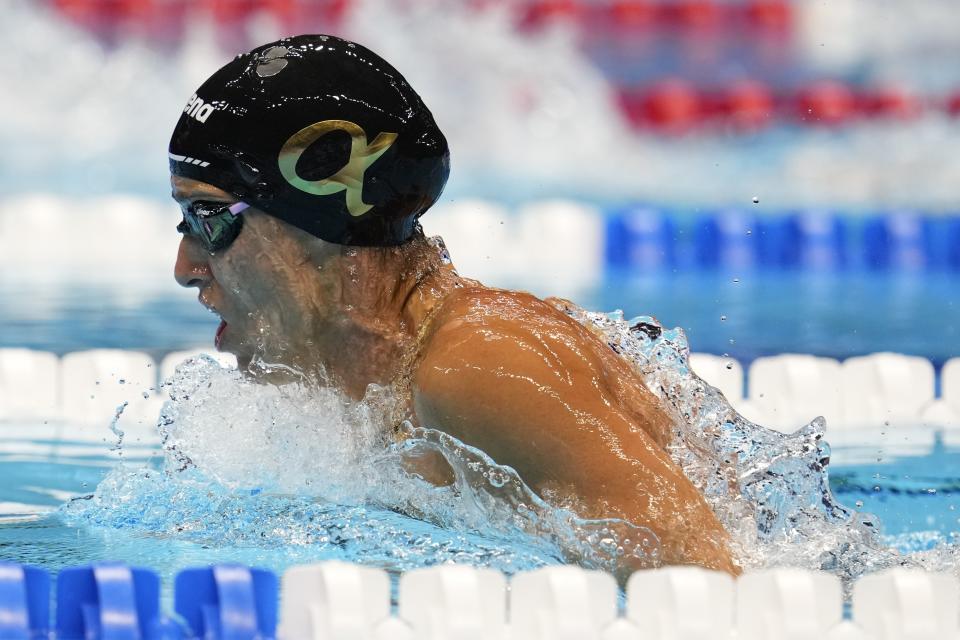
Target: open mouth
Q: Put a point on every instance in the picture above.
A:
(219, 335)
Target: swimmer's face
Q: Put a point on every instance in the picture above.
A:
(264, 286)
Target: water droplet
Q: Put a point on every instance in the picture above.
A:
(859, 504)
(122, 381)
(723, 318)
(146, 395)
(497, 478)
(730, 365)
(756, 200)
(736, 280)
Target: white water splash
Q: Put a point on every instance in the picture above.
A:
(254, 464)
(247, 463)
(769, 489)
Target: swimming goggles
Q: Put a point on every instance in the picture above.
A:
(215, 224)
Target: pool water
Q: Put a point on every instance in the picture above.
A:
(749, 314)
(279, 475)
(34, 528)
(917, 499)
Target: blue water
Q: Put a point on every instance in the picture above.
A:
(916, 498)
(275, 476)
(317, 531)
(744, 314)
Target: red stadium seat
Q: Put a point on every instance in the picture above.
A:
(79, 9)
(113, 18)
(328, 11)
(775, 15)
(633, 13)
(294, 15)
(227, 11)
(672, 106)
(282, 10)
(748, 105)
(692, 14)
(953, 105)
(539, 12)
(826, 102)
(890, 102)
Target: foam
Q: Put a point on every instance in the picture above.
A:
(253, 464)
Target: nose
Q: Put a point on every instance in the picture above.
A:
(192, 268)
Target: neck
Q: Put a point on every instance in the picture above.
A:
(387, 298)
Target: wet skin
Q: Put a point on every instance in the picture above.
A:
(501, 370)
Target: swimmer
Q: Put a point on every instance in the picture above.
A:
(302, 168)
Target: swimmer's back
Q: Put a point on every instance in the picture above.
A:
(515, 376)
(483, 322)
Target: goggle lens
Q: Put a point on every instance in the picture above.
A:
(215, 224)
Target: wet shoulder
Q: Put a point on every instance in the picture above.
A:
(497, 359)
(476, 307)
(499, 347)
(508, 332)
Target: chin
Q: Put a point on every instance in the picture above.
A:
(225, 343)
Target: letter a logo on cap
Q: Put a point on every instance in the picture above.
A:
(348, 178)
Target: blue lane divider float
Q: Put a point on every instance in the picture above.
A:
(228, 602)
(112, 601)
(804, 241)
(109, 601)
(640, 238)
(727, 238)
(643, 238)
(908, 242)
(24, 602)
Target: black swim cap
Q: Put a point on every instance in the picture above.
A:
(318, 132)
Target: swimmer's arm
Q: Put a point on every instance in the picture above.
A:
(560, 428)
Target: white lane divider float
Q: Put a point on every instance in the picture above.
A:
(562, 603)
(334, 601)
(787, 604)
(454, 602)
(908, 604)
(681, 603)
